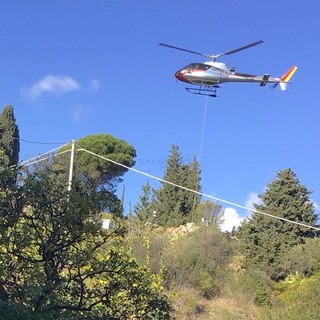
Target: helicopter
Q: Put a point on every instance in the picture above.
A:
(209, 75)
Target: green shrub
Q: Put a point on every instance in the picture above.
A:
(300, 300)
(255, 285)
(199, 260)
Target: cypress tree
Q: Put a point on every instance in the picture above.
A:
(266, 239)
(9, 137)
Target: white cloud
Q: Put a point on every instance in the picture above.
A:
(94, 85)
(230, 218)
(252, 198)
(50, 84)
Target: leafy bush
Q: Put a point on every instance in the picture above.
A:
(252, 286)
(199, 260)
(300, 300)
(59, 261)
(147, 247)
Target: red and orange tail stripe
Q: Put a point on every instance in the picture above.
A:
(287, 76)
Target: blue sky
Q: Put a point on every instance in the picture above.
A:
(74, 68)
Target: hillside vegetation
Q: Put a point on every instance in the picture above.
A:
(166, 259)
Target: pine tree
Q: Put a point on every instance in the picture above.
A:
(173, 204)
(168, 197)
(265, 239)
(192, 200)
(142, 209)
(9, 137)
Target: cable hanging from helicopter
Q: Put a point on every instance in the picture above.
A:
(209, 75)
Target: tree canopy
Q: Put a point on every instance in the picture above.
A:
(98, 170)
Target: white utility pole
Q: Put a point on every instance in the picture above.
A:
(71, 165)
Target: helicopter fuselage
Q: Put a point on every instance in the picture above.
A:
(213, 73)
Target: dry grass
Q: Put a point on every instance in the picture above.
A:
(226, 308)
(189, 305)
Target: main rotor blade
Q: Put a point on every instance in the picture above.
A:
(181, 49)
(241, 48)
(213, 57)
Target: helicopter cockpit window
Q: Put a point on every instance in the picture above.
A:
(197, 66)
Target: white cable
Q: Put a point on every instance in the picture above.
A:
(27, 163)
(24, 163)
(201, 193)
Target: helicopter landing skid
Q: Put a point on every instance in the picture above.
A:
(209, 91)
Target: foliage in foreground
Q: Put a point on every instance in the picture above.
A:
(56, 260)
